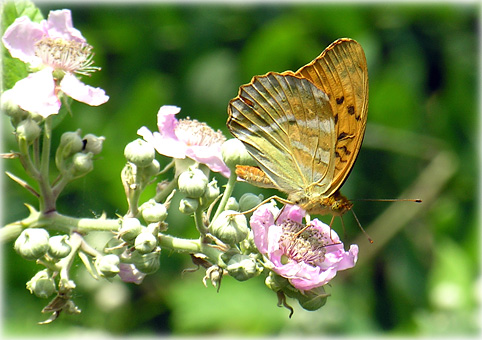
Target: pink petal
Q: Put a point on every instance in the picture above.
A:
(129, 273)
(59, 25)
(166, 120)
(36, 93)
(211, 156)
(260, 222)
(20, 38)
(291, 212)
(76, 89)
(164, 145)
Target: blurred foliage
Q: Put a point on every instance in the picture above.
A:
(423, 67)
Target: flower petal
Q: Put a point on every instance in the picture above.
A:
(211, 156)
(76, 89)
(36, 93)
(20, 38)
(260, 222)
(166, 120)
(164, 146)
(129, 273)
(59, 25)
(291, 212)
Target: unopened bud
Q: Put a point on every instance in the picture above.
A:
(130, 228)
(83, 163)
(32, 243)
(28, 130)
(147, 263)
(59, 246)
(313, 299)
(249, 201)
(93, 143)
(153, 168)
(145, 242)
(193, 183)
(230, 227)
(234, 152)
(243, 267)
(140, 153)
(41, 285)
(70, 143)
(108, 265)
(188, 205)
(153, 211)
(232, 204)
(211, 193)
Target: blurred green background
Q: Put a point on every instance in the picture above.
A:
(421, 275)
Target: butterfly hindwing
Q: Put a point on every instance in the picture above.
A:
(341, 72)
(287, 125)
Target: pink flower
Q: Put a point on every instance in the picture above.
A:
(129, 273)
(186, 138)
(58, 51)
(308, 256)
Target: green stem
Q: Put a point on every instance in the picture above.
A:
(47, 199)
(227, 193)
(198, 220)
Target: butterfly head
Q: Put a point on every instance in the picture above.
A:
(335, 204)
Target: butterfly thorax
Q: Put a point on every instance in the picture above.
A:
(336, 204)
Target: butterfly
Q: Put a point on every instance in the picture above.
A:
(305, 128)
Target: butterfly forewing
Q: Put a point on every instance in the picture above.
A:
(287, 125)
(341, 72)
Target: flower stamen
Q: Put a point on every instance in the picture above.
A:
(193, 132)
(66, 55)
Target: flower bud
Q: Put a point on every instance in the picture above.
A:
(114, 246)
(152, 169)
(211, 193)
(130, 228)
(82, 164)
(129, 273)
(28, 130)
(249, 201)
(71, 143)
(234, 152)
(145, 242)
(32, 243)
(230, 227)
(313, 299)
(93, 143)
(243, 267)
(108, 265)
(276, 282)
(232, 204)
(147, 263)
(41, 285)
(188, 205)
(153, 212)
(140, 153)
(59, 246)
(193, 183)
(9, 106)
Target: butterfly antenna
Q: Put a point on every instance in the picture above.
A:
(415, 200)
(361, 228)
(342, 225)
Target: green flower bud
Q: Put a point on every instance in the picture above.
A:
(211, 193)
(114, 246)
(93, 143)
(230, 227)
(32, 243)
(232, 204)
(71, 143)
(243, 267)
(145, 242)
(234, 153)
(41, 285)
(275, 282)
(313, 299)
(59, 246)
(147, 263)
(82, 164)
(28, 130)
(249, 201)
(130, 228)
(193, 183)
(153, 212)
(152, 169)
(140, 153)
(108, 265)
(188, 205)
(9, 106)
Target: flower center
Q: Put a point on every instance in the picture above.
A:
(66, 55)
(193, 132)
(308, 245)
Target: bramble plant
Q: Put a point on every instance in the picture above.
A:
(297, 259)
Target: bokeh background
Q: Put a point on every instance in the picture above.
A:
(421, 275)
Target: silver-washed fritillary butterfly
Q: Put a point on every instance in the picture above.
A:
(305, 128)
